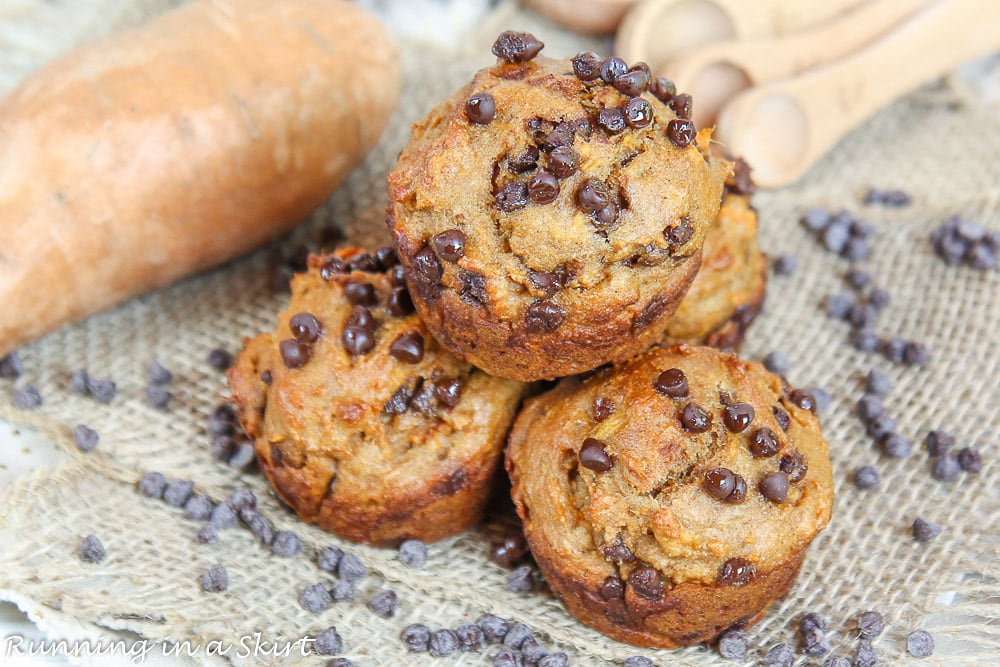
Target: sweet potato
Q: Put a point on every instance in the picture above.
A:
(177, 145)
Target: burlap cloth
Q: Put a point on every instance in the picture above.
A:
(940, 144)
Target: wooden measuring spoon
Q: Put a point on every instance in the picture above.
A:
(716, 73)
(657, 30)
(590, 16)
(783, 127)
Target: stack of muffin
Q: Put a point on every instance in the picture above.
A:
(554, 219)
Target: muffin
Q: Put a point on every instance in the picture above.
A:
(673, 497)
(551, 213)
(363, 423)
(728, 292)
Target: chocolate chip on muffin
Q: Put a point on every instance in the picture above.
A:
(672, 534)
(349, 428)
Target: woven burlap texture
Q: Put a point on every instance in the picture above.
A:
(934, 144)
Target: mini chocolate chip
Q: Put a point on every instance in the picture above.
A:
(925, 531)
(870, 624)
(737, 572)
(779, 655)
(638, 113)
(315, 598)
(361, 317)
(720, 483)
(739, 493)
(915, 354)
(839, 306)
(878, 383)
(794, 466)
(672, 382)
(525, 161)
(543, 316)
(613, 588)
(494, 628)
(343, 591)
(896, 446)
(892, 349)
(443, 643)
(814, 642)
(680, 233)
(219, 359)
(104, 390)
(785, 265)
(509, 551)
(399, 303)
(632, 83)
(305, 327)
(865, 340)
(427, 266)
(617, 553)
(869, 408)
(611, 69)
(970, 460)
(563, 161)
(594, 456)
(543, 187)
(738, 416)
(158, 397)
(611, 119)
(386, 257)
(86, 438)
(152, 485)
(554, 660)
(358, 341)
(399, 402)
(866, 478)
(470, 637)
(331, 266)
(397, 276)
(777, 362)
(11, 367)
(812, 622)
(646, 582)
(91, 549)
(938, 442)
(512, 197)
(663, 89)
(328, 642)
(294, 353)
(836, 661)
(532, 651)
(681, 105)
(603, 408)
(803, 400)
(774, 487)
(607, 216)
(681, 132)
(360, 293)
(593, 195)
(450, 245)
(544, 281)
(383, 604)
(516, 47)
(408, 348)
(586, 65)
(920, 644)
(782, 417)
(521, 580)
(351, 568)
(562, 135)
(481, 108)
(215, 579)
(286, 544)
(763, 443)
(945, 468)
(733, 644)
(157, 374)
(448, 391)
(695, 419)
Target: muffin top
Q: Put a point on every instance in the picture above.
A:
(550, 198)
(686, 460)
(352, 401)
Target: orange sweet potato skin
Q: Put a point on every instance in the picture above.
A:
(180, 144)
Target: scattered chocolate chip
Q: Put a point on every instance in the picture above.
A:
(915, 354)
(10, 366)
(215, 579)
(733, 644)
(520, 580)
(328, 558)
(198, 507)
(516, 47)
(646, 582)
(681, 132)
(695, 419)
(27, 398)
(919, 644)
(870, 624)
(925, 531)
(866, 478)
(869, 408)
(397, 276)
(839, 305)
(328, 642)
(315, 598)
(223, 517)
(481, 108)
(672, 382)
(243, 457)
(208, 534)
(259, 525)
(543, 187)
(945, 468)
(777, 362)
(680, 233)
(878, 383)
(512, 197)
(516, 635)
(470, 637)
(896, 446)
(383, 603)
(785, 265)
(294, 353)
(811, 622)
(448, 392)
(443, 643)
(509, 552)
(86, 438)
(152, 485)
(177, 492)
(413, 553)
(611, 69)
(362, 262)
(532, 650)
(864, 655)
(781, 416)
(638, 113)
(342, 591)
(350, 568)
(91, 549)
(737, 572)
(865, 340)
(594, 456)
(331, 266)
(543, 316)
(506, 657)
(242, 499)
(554, 660)
(779, 655)
(681, 105)
(814, 642)
(78, 381)
(525, 161)
(774, 487)
(158, 397)
(938, 442)
(764, 443)
(632, 83)
(219, 359)
(663, 89)
(286, 544)
(970, 460)
(836, 661)
(586, 65)
(803, 400)
(494, 628)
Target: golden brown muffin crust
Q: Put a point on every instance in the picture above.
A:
(648, 518)
(363, 444)
(547, 290)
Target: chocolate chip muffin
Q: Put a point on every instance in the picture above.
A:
(551, 213)
(673, 497)
(728, 292)
(362, 422)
